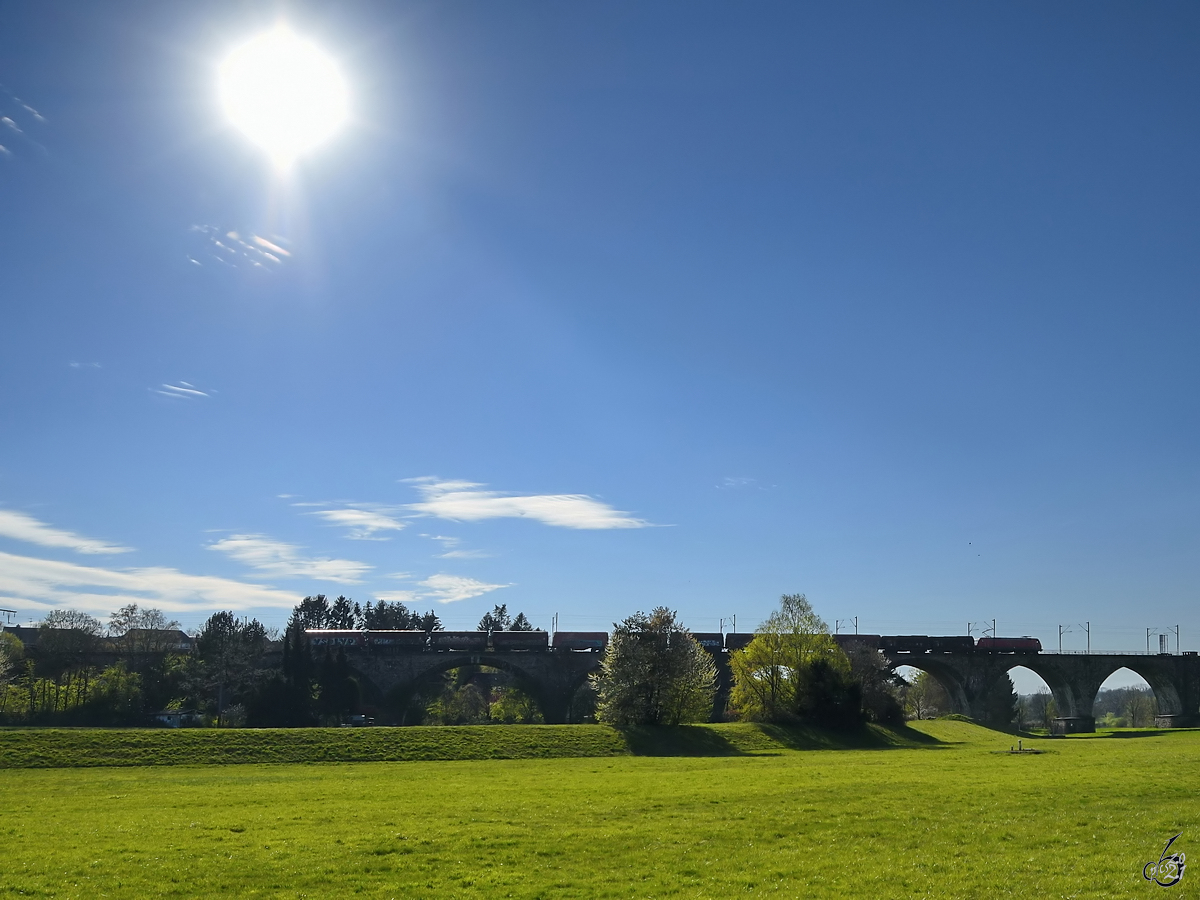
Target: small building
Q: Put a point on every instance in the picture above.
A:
(178, 718)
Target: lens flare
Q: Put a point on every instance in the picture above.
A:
(284, 93)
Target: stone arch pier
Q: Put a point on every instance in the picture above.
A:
(550, 677)
(1074, 679)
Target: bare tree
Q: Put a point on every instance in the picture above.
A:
(138, 632)
(1140, 710)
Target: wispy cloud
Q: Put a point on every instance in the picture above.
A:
(231, 248)
(276, 559)
(732, 483)
(25, 107)
(40, 584)
(440, 588)
(451, 550)
(452, 588)
(22, 527)
(182, 391)
(19, 121)
(363, 520)
(399, 596)
(78, 365)
(463, 501)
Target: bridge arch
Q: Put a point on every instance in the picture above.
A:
(1069, 699)
(402, 694)
(945, 675)
(1161, 682)
(1127, 698)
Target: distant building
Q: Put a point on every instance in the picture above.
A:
(178, 718)
(26, 634)
(155, 640)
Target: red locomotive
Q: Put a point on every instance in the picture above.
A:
(1009, 645)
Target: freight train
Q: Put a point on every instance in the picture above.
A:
(596, 641)
(461, 641)
(923, 643)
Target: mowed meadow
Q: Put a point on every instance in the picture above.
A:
(942, 812)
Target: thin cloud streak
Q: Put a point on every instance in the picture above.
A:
(452, 588)
(32, 582)
(399, 596)
(182, 391)
(363, 522)
(22, 527)
(230, 248)
(462, 501)
(276, 559)
(450, 548)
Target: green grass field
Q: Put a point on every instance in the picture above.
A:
(75, 747)
(953, 818)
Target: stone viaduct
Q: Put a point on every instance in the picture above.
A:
(1074, 680)
(552, 677)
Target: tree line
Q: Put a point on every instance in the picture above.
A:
(234, 671)
(656, 673)
(240, 672)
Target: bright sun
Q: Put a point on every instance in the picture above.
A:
(284, 93)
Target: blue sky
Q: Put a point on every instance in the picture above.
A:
(590, 309)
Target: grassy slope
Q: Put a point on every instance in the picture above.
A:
(952, 819)
(51, 748)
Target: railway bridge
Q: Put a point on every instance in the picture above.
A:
(392, 666)
(551, 678)
(1074, 679)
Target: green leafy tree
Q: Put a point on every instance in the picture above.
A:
(654, 673)
(463, 698)
(116, 697)
(338, 689)
(879, 685)
(311, 613)
(828, 694)
(512, 706)
(497, 620)
(1001, 704)
(12, 655)
(288, 698)
(343, 614)
(68, 641)
(925, 698)
(389, 616)
(769, 674)
(229, 649)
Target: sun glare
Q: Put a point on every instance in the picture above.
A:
(284, 93)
